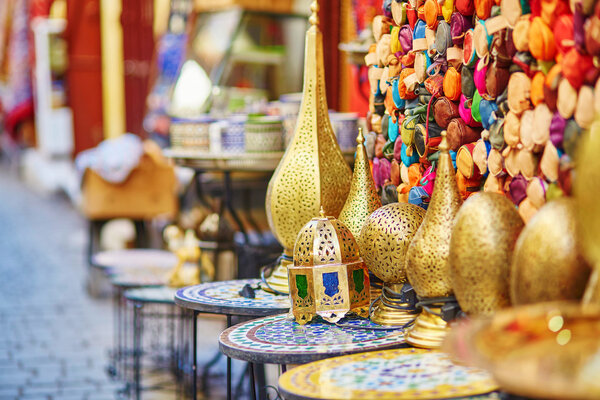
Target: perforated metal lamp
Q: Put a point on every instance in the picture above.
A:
(327, 278)
(312, 173)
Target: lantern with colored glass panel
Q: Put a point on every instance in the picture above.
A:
(328, 278)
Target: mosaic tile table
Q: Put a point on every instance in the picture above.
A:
(162, 310)
(398, 374)
(280, 340)
(133, 259)
(223, 298)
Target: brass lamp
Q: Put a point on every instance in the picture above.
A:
(312, 172)
(383, 243)
(427, 265)
(586, 189)
(362, 200)
(328, 278)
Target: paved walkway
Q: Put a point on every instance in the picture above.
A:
(54, 338)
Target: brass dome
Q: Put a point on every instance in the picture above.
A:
(325, 240)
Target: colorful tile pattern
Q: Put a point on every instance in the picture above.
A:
(224, 295)
(279, 339)
(390, 374)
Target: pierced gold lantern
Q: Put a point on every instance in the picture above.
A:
(383, 244)
(427, 257)
(312, 172)
(587, 188)
(328, 278)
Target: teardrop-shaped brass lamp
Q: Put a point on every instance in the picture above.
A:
(587, 209)
(312, 172)
(427, 265)
(362, 199)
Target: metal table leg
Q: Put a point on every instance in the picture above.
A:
(228, 365)
(252, 384)
(194, 356)
(137, 348)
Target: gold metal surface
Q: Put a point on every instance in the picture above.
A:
(384, 314)
(427, 256)
(428, 330)
(547, 263)
(278, 280)
(383, 241)
(312, 172)
(328, 278)
(362, 199)
(587, 190)
(481, 247)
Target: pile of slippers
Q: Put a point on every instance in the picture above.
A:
(513, 82)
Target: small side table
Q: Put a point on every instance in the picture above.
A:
(223, 298)
(162, 296)
(121, 280)
(280, 340)
(407, 373)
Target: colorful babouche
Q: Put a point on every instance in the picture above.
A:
(512, 82)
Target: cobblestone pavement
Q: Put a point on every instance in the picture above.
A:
(54, 338)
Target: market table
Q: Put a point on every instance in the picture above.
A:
(162, 296)
(121, 280)
(223, 298)
(280, 340)
(407, 373)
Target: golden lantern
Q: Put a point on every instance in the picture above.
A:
(328, 278)
(547, 264)
(362, 199)
(383, 243)
(312, 173)
(586, 188)
(427, 257)
(483, 239)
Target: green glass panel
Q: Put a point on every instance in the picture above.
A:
(358, 276)
(302, 285)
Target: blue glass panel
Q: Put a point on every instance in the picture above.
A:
(331, 283)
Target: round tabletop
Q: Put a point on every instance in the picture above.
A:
(281, 340)
(223, 297)
(160, 295)
(140, 277)
(134, 258)
(407, 373)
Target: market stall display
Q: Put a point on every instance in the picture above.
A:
(511, 82)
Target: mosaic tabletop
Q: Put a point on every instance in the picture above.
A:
(140, 277)
(162, 294)
(279, 339)
(223, 298)
(406, 373)
(134, 258)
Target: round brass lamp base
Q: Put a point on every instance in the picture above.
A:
(429, 329)
(278, 281)
(392, 311)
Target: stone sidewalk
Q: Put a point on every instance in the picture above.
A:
(55, 338)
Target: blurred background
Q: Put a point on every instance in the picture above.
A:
(97, 102)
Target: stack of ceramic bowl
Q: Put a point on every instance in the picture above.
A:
(191, 133)
(264, 134)
(233, 135)
(345, 126)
